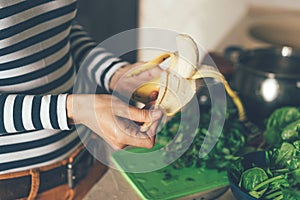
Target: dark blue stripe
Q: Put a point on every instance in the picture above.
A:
(2, 101)
(106, 70)
(35, 113)
(35, 57)
(34, 144)
(53, 112)
(17, 8)
(35, 74)
(39, 159)
(35, 39)
(93, 54)
(81, 43)
(83, 53)
(97, 65)
(12, 30)
(76, 27)
(74, 38)
(18, 122)
(50, 86)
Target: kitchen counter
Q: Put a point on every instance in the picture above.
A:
(114, 186)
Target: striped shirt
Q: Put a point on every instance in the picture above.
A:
(40, 49)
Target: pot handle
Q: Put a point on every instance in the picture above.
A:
(232, 53)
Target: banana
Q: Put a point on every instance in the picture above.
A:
(210, 72)
(177, 83)
(152, 63)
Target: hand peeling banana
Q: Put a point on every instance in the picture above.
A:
(176, 84)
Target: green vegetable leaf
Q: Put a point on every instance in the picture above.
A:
(272, 137)
(291, 132)
(229, 144)
(282, 156)
(277, 121)
(253, 177)
(290, 194)
(282, 117)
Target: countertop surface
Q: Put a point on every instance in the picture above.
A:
(113, 186)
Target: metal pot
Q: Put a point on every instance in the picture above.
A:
(265, 79)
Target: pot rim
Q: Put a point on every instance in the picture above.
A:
(278, 51)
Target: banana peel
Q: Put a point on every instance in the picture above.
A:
(177, 83)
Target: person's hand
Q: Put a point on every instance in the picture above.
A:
(127, 85)
(113, 120)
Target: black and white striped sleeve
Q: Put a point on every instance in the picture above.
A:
(99, 64)
(32, 112)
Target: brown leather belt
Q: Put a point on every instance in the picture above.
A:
(69, 171)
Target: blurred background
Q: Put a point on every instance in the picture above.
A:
(105, 18)
(214, 24)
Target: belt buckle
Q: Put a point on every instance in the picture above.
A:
(71, 172)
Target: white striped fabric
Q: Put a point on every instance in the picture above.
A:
(40, 50)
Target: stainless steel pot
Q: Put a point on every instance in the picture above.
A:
(265, 79)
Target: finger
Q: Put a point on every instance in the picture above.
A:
(150, 74)
(129, 134)
(153, 129)
(148, 116)
(140, 115)
(145, 142)
(115, 145)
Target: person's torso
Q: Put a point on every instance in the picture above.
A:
(35, 59)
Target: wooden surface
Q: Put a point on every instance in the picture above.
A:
(114, 186)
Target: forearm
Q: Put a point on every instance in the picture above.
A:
(32, 112)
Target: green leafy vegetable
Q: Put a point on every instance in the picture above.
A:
(280, 179)
(282, 117)
(291, 131)
(251, 178)
(281, 157)
(228, 147)
(282, 125)
(272, 137)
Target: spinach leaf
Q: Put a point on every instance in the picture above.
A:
(297, 144)
(281, 157)
(229, 145)
(290, 194)
(278, 122)
(272, 137)
(282, 117)
(251, 178)
(291, 132)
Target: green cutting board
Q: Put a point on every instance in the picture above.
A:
(169, 183)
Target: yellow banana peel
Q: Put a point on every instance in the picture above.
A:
(176, 85)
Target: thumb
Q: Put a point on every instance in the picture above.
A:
(143, 115)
